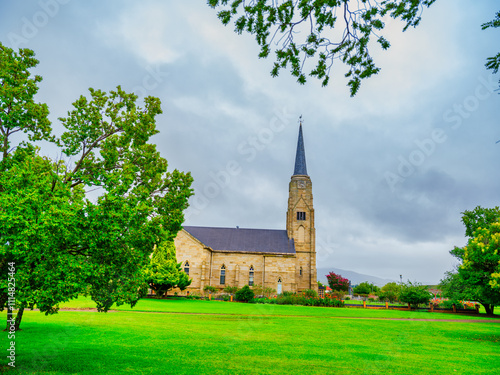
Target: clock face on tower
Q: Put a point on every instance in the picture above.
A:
(301, 184)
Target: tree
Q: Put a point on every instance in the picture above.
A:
(476, 278)
(365, 288)
(415, 294)
(60, 242)
(337, 282)
(163, 272)
(493, 63)
(305, 30)
(389, 292)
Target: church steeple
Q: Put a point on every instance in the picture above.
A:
(300, 220)
(300, 157)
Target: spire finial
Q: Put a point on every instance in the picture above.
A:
(300, 157)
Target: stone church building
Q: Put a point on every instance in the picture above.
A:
(284, 260)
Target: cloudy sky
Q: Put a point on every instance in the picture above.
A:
(392, 169)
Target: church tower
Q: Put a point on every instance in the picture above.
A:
(300, 221)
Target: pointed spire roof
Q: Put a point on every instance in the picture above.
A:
(300, 158)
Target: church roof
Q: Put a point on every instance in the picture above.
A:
(300, 157)
(244, 240)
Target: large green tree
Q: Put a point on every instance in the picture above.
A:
(476, 278)
(309, 35)
(365, 288)
(60, 242)
(389, 292)
(415, 294)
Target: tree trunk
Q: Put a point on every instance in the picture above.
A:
(489, 308)
(17, 320)
(19, 317)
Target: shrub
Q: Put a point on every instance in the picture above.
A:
(339, 294)
(268, 291)
(371, 299)
(257, 290)
(415, 294)
(210, 289)
(337, 282)
(294, 299)
(193, 296)
(231, 289)
(245, 294)
(262, 300)
(448, 304)
(310, 293)
(347, 298)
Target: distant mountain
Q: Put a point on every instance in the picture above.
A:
(354, 277)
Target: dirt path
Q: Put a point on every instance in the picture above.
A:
(485, 320)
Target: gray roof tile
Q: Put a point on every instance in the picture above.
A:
(244, 240)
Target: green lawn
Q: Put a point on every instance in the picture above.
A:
(217, 307)
(203, 337)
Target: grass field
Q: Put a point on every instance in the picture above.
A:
(209, 337)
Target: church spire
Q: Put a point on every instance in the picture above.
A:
(300, 158)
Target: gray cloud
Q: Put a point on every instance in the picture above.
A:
(234, 127)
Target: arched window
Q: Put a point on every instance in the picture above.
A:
(300, 271)
(223, 275)
(250, 276)
(279, 289)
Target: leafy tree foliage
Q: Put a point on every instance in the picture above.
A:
(245, 294)
(308, 30)
(365, 288)
(493, 63)
(389, 292)
(61, 242)
(415, 294)
(337, 282)
(477, 277)
(163, 272)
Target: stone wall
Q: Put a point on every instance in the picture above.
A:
(205, 267)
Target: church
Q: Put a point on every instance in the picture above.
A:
(284, 260)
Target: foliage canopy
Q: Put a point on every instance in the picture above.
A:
(309, 35)
(415, 294)
(308, 30)
(365, 288)
(62, 243)
(337, 282)
(477, 277)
